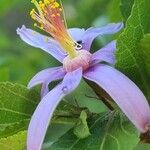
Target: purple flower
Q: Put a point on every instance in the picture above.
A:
(71, 47)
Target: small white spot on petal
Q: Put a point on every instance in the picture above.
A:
(78, 47)
(65, 90)
(46, 39)
(33, 33)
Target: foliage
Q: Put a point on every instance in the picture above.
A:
(108, 131)
(129, 56)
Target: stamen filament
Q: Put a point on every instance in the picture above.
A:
(50, 16)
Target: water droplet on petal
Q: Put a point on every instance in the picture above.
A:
(65, 90)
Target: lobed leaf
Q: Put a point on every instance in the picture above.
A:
(17, 104)
(144, 46)
(129, 56)
(15, 142)
(126, 7)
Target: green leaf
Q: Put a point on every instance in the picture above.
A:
(129, 57)
(114, 12)
(84, 96)
(81, 129)
(145, 48)
(67, 109)
(57, 129)
(126, 7)
(15, 142)
(17, 104)
(13, 128)
(108, 131)
(4, 74)
(65, 117)
(143, 146)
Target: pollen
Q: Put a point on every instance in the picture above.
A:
(53, 15)
(33, 33)
(50, 18)
(41, 27)
(56, 5)
(35, 24)
(46, 39)
(58, 14)
(32, 12)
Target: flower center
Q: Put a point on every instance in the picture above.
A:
(50, 18)
(81, 60)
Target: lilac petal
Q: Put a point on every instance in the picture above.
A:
(44, 89)
(38, 40)
(44, 111)
(76, 33)
(105, 54)
(46, 76)
(92, 33)
(124, 92)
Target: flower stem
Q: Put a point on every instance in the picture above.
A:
(106, 99)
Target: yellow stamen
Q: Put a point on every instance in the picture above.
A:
(50, 20)
(38, 7)
(53, 15)
(56, 4)
(58, 14)
(35, 24)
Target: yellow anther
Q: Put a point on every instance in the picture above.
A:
(32, 15)
(32, 12)
(35, 24)
(33, 1)
(39, 9)
(42, 5)
(46, 39)
(58, 14)
(40, 2)
(53, 15)
(33, 32)
(46, 2)
(56, 4)
(41, 27)
(51, 1)
(52, 6)
(48, 15)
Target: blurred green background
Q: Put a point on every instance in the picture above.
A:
(19, 61)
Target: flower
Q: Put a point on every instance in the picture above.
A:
(71, 47)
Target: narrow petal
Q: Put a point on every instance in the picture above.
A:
(92, 33)
(44, 89)
(40, 41)
(76, 33)
(45, 77)
(44, 112)
(105, 54)
(124, 92)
